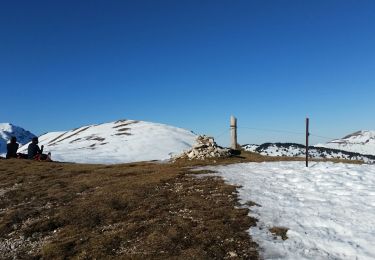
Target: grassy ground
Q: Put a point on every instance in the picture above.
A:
(130, 211)
(140, 210)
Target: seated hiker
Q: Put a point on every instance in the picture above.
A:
(33, 150)
(36, 153)
(12, 148)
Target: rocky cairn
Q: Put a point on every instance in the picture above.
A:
(204, 148)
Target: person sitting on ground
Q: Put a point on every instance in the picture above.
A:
(35, 153)
(12, 148)
(33, 150)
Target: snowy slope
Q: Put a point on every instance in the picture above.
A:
(8, 130)
(298, 150)
(117, 142)
(328, 208)
(360, 142)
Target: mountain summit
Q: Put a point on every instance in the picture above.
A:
(8, 130)
(117, 142)
(359, 142)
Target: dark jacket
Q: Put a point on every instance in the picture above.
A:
(12, 150)
(32, 150)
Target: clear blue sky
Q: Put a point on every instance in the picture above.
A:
(191, 64)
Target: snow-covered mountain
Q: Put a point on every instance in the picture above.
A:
(298, 150)
(8, 130)
(359, 142)
(117, 142)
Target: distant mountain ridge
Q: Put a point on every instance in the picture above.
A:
(7, 130)
(359, 142)
(299, 150)
(121, 141)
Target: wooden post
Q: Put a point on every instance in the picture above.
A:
(307, 142)
(233, 131)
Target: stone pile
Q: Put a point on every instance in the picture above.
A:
(204, 148)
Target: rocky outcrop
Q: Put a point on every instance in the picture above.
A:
(204, 148)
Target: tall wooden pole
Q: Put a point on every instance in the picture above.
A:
(307, 142)
(233, 131)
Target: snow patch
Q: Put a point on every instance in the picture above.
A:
(328, 208)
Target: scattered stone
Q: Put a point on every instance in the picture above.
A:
(232, 254)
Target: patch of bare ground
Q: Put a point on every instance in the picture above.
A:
(55, 139)
(123, 129)
(279, 232)
(128, 211)
(75, 132)
(95, 138)
(123, 123)
(75, 140)
(124, 133)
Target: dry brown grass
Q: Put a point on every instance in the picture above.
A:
(138, 210)
(279, 232)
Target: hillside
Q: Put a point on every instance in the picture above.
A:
(8, 130)
(298, 150)
(359, 142)
(116, 142)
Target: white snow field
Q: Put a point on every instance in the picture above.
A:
(328, 208)
(122, 141)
